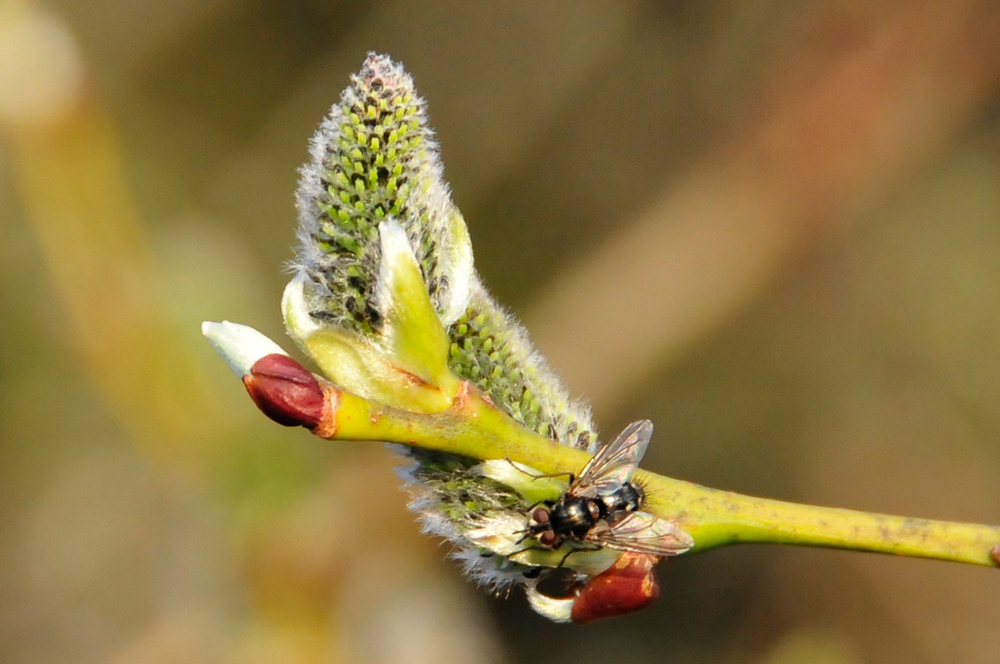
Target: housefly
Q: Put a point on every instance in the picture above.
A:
(602, 506)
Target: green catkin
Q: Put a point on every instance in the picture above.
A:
(375, 158)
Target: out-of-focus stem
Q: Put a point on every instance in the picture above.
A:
(473, 427)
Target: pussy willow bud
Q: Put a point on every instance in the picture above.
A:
(282, 388)
(374, 159)
(628, 585)
(386, 302)
(285, 391)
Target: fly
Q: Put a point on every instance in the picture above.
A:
(602, 506)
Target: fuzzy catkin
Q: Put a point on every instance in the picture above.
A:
(375, 158)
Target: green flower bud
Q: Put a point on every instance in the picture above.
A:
(374, 159)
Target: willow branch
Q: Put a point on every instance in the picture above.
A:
(473, 427)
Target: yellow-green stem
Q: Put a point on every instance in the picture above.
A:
(474, 428)
(716, 518)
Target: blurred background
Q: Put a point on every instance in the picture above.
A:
(771, 227)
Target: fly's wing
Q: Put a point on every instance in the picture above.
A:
(614, 463)
(642, 533)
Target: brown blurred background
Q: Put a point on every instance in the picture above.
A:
(771, 227)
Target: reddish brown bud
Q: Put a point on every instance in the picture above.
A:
(628, 585)
(995, 552)
(285, 391)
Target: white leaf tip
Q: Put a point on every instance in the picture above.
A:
(240, 346)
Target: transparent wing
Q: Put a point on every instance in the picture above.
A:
(642, 533)
(614, 463)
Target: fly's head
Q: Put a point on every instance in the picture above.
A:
(540, 527)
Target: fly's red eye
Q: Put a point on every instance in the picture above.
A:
(541, 515)
(548, 538)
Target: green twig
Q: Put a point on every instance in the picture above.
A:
(474, 428)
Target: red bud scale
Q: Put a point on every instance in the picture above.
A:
(628, 585)
(285, 391)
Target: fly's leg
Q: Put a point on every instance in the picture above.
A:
(540, 476)
(584, 546)
(527, 548)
